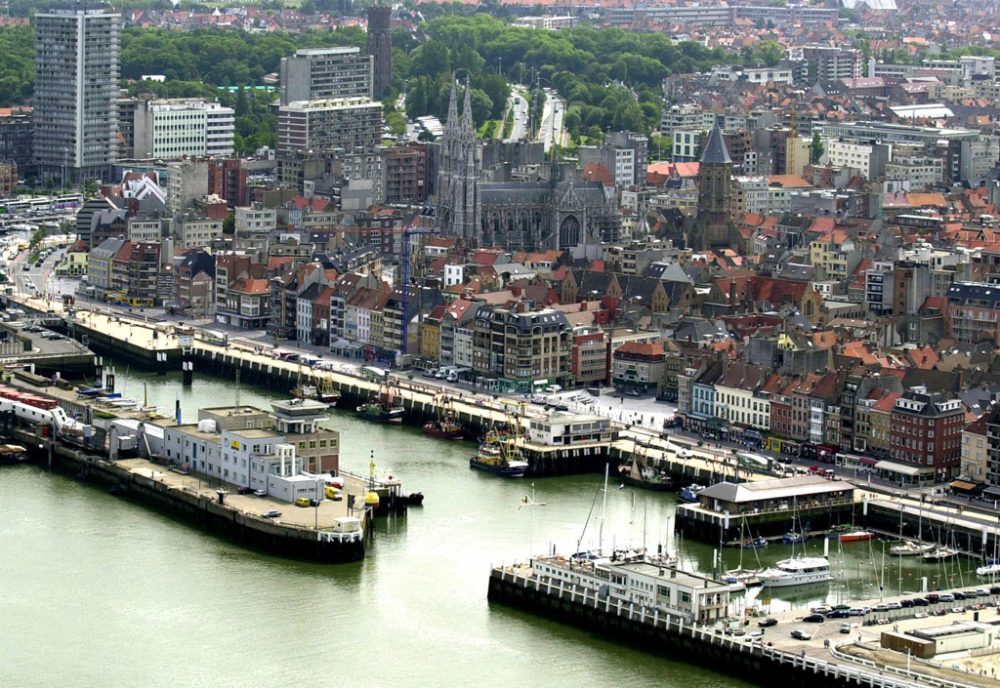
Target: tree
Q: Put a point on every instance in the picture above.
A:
(816, 148)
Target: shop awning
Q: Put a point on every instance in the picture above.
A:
(902, 469)
(992, 492)
(963, 486)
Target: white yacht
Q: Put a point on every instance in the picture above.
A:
(990, 570)
(796, 571)
(911, 548)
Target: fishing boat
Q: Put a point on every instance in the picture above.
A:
(381, 412)
(12, 453)
(305, 391)
(690, 493)
(445, 428)
(499, 457)
(856, 536)
(910, 548)
(796, 571)
(645, 477)
(327, 393)
(940, 554)
(988, 570)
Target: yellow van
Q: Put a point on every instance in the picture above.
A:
(302, 501)
(333, 493)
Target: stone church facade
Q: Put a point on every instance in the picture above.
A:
(559, 212)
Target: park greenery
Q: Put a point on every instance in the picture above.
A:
(610, 79)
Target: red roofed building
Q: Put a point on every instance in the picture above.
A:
(248, 304)
(637, 367)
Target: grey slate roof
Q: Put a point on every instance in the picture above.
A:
(715, 151)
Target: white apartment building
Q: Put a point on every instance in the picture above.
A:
(192, 231)
(624, 171)
(687, 144)
(919, 173)
(181, 127)
(144, 230)
(868, 158)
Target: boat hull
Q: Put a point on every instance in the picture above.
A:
(665, 486)
(794, 581)
(502, 471)
(856, 537)
(434, 430)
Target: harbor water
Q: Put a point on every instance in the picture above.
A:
(99, 591)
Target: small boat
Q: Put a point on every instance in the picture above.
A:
(690, 493)
(12, 453)
(988, 570)
(856, 536)
(793, 538)
(499, 457)
(125, 403)
(910, 548)
(754, 543)
(940, 554)
(381, 412)
(796, 571)
(305, 391)
(415, 499)
(446, 428)
(92, 392)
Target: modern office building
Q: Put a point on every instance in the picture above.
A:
(380, 47)
(76, 82)
(317, 73)
(348, 124)
(182, 127)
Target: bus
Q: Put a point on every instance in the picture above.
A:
(855, 461)
(374, 373)
(753, 462)
(213, 337)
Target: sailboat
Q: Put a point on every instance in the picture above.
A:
(911, 548)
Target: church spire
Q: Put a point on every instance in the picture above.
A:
(452, 108)
(467, 124)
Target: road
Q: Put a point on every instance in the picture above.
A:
(551, 128)
(518, 105)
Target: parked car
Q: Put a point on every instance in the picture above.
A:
(273, 513)
(260, 493)
(245, 490)
(302, 501)
(814, 618)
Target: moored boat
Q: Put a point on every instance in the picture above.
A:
(988, 570)
(499, 457)
(856, 536)
(793, 538)
(690, 493)
(796, 571)
(940, 554)
(910, 548)
(447, 428)
(381, 412)
(645, 477)
(754, 543)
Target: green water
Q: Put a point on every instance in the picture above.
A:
(101, 592)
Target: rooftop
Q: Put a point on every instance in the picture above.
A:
(780, 488)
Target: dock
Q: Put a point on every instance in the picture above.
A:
(770, 657)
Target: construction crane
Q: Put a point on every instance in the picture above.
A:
(405, 281)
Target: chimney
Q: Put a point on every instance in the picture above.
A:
(732, 293)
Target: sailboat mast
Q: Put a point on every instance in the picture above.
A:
(604, 511)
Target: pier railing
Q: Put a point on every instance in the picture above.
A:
(921, 678)
(856, 670)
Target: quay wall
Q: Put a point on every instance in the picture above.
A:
(639, 626)
(245, 529)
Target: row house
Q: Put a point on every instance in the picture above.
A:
(638, 367)
(743, 396)
(285, 309)
(589, 359)
(248, 304)
(135, 273)
(520, 348)
(455, 339)
(194, 282)
(233, 268)
(926, 433)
